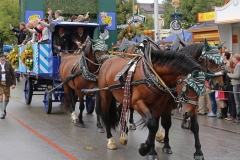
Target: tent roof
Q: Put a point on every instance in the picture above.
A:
(187, 35)
(7, 48)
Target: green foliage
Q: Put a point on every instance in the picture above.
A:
(9, 14)
(129, 34)
(149, 22)
(71, 7)
(124, 10)
(189, 10)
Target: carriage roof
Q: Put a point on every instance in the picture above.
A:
(53, 25)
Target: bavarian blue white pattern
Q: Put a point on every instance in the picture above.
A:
(45, 58)
(21, 67)
(35, 57)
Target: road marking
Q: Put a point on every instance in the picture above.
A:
(44, 138)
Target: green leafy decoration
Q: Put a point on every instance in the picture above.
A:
(130, 34)
(73, 7)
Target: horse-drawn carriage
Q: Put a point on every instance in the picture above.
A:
(44, 74)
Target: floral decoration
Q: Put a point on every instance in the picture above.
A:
(27, 57)
(13, 57)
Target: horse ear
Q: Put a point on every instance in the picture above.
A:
(195, 73)
(220, 45)
(92, 41)
(206, 45)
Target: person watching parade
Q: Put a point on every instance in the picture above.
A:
(7, 79)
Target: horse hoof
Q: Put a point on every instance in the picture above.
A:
(111, 144)
(74, 121)
(198, 157)
(100, 130)
(81, 125)
(159, 139)
(167, 151)
(144, 149)
(132, 126)
(123, 140)
(153, 157)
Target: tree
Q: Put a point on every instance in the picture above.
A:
(149, 24)
(189, 10)
(125, 10)
(9, 14)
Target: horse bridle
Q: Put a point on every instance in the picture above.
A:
(208, 70)
(98, 58)
(183, 98)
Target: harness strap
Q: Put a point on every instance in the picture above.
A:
(129, 64)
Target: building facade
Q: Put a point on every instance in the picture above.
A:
(148, 8)
(228, 23)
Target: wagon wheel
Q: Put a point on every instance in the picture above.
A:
(47, 102)
(28, 90)
(90, 104)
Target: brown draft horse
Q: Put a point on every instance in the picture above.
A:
(90, 63)
(172, 67)
(209, 66)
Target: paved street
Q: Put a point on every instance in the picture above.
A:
(28, 133)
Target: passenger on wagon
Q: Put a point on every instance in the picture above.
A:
(45, 32)
(58, 16)
(79, 39)
(30, 36)
(19, 33)
(60, 42)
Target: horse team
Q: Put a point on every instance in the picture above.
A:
(152, 83)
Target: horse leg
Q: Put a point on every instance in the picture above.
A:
(198, 155)
(166, 123)
(132, 125)
(98, 112)
(109, 116)
(81, 108)
(152, 125)
(72, 102)
(69, 105)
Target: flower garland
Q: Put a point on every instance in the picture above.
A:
(27, 57)
(13, 57)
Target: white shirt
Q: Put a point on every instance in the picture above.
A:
(3, 74)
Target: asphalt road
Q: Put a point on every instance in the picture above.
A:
(28, 133)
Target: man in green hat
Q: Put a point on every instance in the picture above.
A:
(7, 79)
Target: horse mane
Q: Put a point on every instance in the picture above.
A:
(194, 50)
(176, 60)
(88, 48)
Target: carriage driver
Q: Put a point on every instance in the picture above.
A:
(79, 39)
(7, 79)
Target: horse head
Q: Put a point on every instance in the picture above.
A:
(173, 68)
(210, 60)
(97, 50)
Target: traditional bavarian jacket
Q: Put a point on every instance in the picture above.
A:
(9, 74)
(77, 37)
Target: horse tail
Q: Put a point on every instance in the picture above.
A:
(111, 118)
(113, 113)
